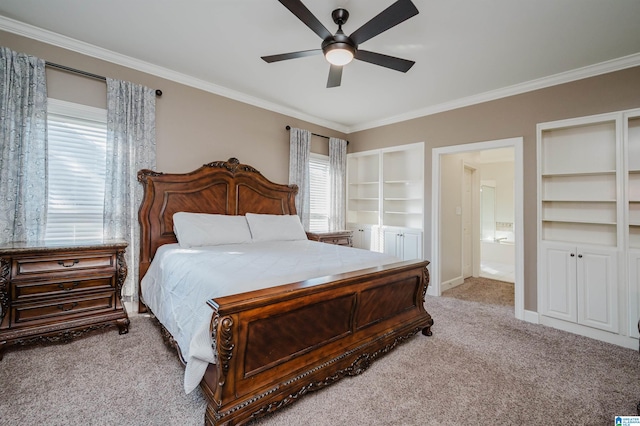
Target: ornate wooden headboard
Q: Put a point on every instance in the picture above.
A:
(220, 187)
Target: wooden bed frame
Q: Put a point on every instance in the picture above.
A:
(275, 345)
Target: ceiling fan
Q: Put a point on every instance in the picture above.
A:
(339, 49)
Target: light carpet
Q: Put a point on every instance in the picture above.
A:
(481, 367)
(483, 290)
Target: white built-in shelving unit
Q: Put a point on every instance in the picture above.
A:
(579, 183)
(363, 193)
(631, 126)
(385, 199)
(589, 224)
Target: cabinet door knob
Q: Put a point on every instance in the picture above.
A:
(580, 256)
(572, 255)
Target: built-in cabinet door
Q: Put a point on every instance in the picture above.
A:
(357, 234)
(391, 242)
(597, 288)
(361, 236)
(411, 245)
(559, 278)
(403, 243)
(366, 239)
(581, 285)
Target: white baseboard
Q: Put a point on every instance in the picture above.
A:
(604, 336)
(531, 316)
(448, 285)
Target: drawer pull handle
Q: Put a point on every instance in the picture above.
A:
(68, 306)
(61, 262)
(73, 285)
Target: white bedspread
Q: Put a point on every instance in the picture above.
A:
(180, 281)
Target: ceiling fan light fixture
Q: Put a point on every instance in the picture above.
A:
(339, 53)
(340, 49)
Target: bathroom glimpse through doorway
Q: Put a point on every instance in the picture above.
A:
(506, 235)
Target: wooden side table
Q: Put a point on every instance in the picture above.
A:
(53, 293)
(340, 238)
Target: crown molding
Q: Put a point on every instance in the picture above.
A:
(49, 37)
(55, 39)
(517, 89)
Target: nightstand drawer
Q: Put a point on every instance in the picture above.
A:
(339, 241)
(339, 238)
(28, 266)
(29, 289)
(54, 309)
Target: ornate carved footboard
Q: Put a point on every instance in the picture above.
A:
(281, 343)
(277, 344)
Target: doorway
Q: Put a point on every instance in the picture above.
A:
(443, 209)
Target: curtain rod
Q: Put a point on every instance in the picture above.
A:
(314, 134)
(85, 73)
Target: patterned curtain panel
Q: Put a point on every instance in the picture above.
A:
(131, 146)
(337, 182)
(299, 151)
(23, 147)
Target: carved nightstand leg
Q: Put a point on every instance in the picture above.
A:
(2, 347)
(123, 325)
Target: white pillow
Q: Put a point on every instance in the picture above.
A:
(275, 227)
(201, 229)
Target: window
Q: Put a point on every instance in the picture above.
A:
(319, 193)
(76, 156)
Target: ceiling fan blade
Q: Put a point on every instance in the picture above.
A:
(300, 10)
(335, 76)
(292, 55)
(398, 12)
(392, 62)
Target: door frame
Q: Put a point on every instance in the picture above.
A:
(436, 154)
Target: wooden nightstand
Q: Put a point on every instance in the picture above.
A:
(340, 238)
(53, 293)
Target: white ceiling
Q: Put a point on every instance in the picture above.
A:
(466, 51)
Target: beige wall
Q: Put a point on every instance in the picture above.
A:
(450, 248)
(506, 118)
(193, 127)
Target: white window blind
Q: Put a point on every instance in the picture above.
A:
(319, 193)
(77, 137)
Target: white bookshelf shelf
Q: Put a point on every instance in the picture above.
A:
(403, 212)
(400, 182)
(587, 222)
(581, 200)
(579, 174)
